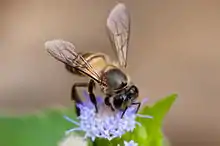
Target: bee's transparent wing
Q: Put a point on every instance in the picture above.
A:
(118, 25)
(65, 52)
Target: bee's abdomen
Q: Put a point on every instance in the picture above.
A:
(98, 61)
(73, 70)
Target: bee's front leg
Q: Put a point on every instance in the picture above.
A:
(92, 95)
(138, 105)
(124, 112)
(108, 103)
(134, 103)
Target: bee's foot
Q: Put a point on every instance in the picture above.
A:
(96, 109)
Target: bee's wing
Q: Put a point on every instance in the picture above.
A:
(118, 25)
(65, 52)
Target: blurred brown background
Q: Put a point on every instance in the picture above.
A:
(174, 47)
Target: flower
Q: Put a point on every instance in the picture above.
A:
(130, 143)
(106, 123)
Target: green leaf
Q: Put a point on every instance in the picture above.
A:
(45, 128)
(150, 133)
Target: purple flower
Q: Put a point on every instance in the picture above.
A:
(106, 123)
(130, 143)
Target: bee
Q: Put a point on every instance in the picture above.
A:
(120, 93)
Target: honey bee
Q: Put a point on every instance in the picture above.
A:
(116, 85)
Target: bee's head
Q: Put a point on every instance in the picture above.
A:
(125, 97)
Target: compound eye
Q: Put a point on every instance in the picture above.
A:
(134, 89)
(118, 102)
(133, 92)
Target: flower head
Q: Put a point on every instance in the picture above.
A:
(130, 143)
(106, 123)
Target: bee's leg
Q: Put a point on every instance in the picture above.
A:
(135, 103)
(75, 96)
(92, 95)
(107, 102)
(124, 112)
(138, 105)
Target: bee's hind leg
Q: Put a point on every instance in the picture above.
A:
(75, 96)
(92, 95)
